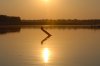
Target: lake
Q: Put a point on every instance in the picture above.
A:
(21, 46)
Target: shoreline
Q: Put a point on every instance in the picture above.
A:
(53, 26)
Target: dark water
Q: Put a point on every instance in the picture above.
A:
(68, 46)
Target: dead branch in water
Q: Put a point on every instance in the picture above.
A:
(49, 35)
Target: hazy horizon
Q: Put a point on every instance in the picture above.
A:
(51, 9)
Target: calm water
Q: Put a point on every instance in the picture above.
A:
(66, 47)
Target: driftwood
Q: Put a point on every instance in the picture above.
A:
(49, 35)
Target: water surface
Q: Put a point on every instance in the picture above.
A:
(66, 47)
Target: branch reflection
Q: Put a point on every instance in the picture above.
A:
(49, 35)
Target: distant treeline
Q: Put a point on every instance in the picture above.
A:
(61, 22)
(12, 20)
(9, 20)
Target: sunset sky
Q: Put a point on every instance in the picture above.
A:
(51, 9)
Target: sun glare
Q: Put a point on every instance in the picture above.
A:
(46, 55)
(46, 0)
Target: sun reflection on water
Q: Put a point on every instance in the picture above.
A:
(46, 54)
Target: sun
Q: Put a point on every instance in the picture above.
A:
(46, 0)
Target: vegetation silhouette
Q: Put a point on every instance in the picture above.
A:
(92, 22)
(69, 23)
(12, 20)
(9, 20)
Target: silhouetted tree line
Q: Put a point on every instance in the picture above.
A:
(61, 22)
(9, 20)
(12, 20)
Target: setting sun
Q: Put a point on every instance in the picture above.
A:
(46, 0)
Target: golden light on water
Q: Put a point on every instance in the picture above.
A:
(46, 55)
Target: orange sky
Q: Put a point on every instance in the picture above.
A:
(51, 9)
